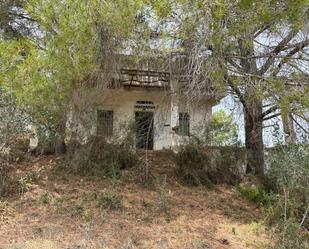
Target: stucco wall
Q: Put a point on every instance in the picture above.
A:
(123, 101)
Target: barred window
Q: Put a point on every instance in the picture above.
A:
(105, 122)
(184, 124)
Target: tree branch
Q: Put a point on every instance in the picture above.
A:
(269, 111)
(300, 126)
(236, 90)
(276, 51)
(272, 116)
(299, 46)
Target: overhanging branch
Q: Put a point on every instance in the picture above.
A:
(280, 47)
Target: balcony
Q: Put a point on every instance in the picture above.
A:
(134, 78)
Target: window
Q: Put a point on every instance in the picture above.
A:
(105, 122)
(184, 124)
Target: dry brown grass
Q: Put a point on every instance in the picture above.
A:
(61, 212)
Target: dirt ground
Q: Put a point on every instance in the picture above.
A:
(58, 210)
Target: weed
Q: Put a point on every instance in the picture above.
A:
(25, 184)
(78, 210)
(32, 177)
(9, 185)
(110, 201)
(101, 158)
(198, 165)
(202, 244)
(162, 203)
(45, 199)
(254, 193)
(144, 174)
(257, 227)
(290, 236)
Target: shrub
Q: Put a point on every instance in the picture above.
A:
(101, 158)
(208, 165)
(78, 210)
(289, 177)
(109, 200)
(162, 204)
(221, 131)
(143, 173)
(9, 185)
(290, 236)
(45, 199)
(256, 194)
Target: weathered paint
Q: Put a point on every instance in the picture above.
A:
(123, 101)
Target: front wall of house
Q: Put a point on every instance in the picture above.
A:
(124, 104)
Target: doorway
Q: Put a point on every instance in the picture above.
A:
(144, 130)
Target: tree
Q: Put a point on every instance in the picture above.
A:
(73, 52)
(257, 50)
(221, 131)
(13, 122)
(14, 21)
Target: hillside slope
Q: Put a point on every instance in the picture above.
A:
(58, 210)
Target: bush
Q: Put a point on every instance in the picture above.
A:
(221, 131)
(290, 236)
(208, 165)
(289, 177)
(18, 149)
(163, 202)
(101, 158)
(9, 185)
(110, 200)
(256, 194)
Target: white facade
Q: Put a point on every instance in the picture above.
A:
(125, 102)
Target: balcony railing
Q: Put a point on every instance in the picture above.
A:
(143, 78)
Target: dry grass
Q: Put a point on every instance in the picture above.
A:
(61, 212)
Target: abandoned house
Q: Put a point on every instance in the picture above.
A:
(148, 102)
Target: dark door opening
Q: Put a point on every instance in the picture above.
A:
(144, 130)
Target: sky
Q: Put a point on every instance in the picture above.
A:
(229, 105)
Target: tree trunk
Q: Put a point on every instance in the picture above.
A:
(254, 137)
(289, 131)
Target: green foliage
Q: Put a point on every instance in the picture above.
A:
(289, 176)
(13, 122)
(75, 42)
(9, 185)
(290, 236)
(45, 199)
(255, 193)
(206, 166)
(101, 158)
(13, 24)
(110, 200)
(221, 131)
(163, 202)
(284, 198)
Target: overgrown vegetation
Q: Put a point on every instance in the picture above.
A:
(285, 197)
(58, 55)
(110, 201)
(255, 193)
(101, 158)
(162, 202)
(9, 184)
(209, 165)
(13, 127)
(289, 176)
(221, 131)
